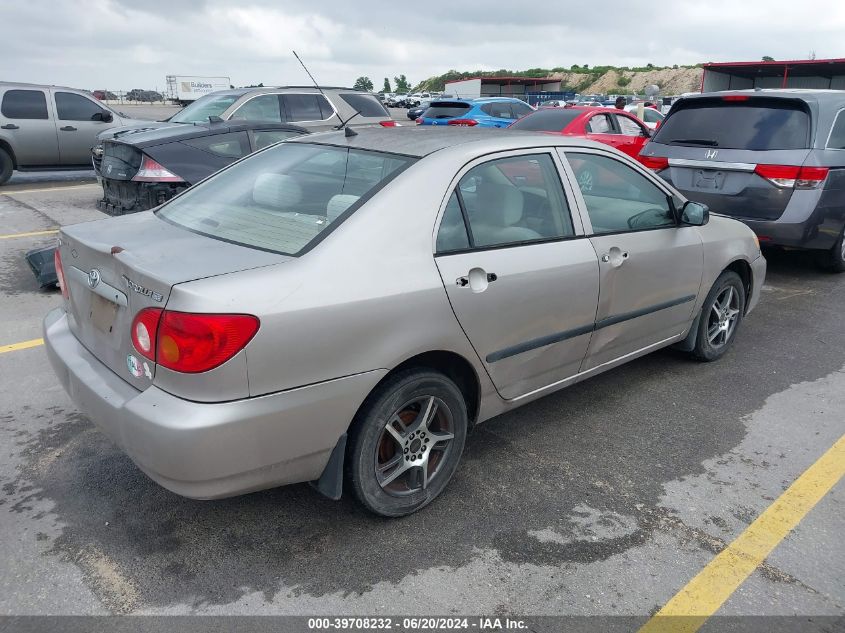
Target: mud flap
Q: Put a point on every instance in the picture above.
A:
(330, 483)
(688, 344)
(43, 266)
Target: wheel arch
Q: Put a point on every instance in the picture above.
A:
(743, 269)
(4, 145)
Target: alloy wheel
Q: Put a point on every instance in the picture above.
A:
(723, 317)
(414, 446)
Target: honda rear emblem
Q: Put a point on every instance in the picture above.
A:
(711, 153)
(93, 278)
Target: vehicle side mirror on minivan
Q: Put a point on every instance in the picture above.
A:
(694, 213)
(104, 116)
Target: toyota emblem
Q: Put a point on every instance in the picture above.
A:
(93, 278)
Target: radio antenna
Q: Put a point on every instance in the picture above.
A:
(349, 131)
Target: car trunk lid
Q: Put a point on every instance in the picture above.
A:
(115, 268)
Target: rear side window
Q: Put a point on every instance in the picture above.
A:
(757, 124)
(367, 105)
(231, 145)
(837, 133)
(24, 104)
(452, 234)
(282, 199)
(498, 110)
(260, 108)
(446, 110)
(74, 107)
(600, 124)
(547, 120)
(307, 107)
(263, 138)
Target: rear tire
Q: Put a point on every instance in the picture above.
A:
(721, 316)
(834, 259)
(7, 166)
(406, 442)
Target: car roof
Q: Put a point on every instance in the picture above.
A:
(18, 84)
(420, 141)
(181, 132)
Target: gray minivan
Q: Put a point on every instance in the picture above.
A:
(774, 159)
(50, 127)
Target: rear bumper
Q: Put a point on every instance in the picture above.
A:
(127, 196)
(209, 450)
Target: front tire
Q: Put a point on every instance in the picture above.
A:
(406, 442)
(721, 316)
(7, 165)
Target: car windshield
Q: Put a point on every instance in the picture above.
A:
(283, 198)
(551, 120)
(737, 123)
(204, 107)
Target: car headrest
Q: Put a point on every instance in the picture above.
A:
(338, 204)
(276, 191)
(499, 204)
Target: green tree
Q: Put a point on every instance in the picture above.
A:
(402, 84)
(363, 83)
(767, 58)
(386, 88)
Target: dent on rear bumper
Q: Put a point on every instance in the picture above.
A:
(209, 450)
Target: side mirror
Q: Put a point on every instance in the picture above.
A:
(694, 213)
(104, 116)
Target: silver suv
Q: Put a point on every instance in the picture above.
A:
(50, 127)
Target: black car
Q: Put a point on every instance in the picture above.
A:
(142, 170)
(415, 113)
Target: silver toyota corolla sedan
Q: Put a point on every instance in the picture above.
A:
(342, 309)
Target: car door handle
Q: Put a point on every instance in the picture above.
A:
(615, 257)
(68, 128)
(9, 126)
(463, 282)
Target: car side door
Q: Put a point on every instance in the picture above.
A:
(27, 124)
(520, 275)
(650, 267)
(632, 134)
(79, 120)
(601, 128)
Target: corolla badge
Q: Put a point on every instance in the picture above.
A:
(711, 153)
(93, 278)
(152, 294)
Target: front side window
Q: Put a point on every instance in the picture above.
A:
(74, 107)
(521, 109)
(618, 198)
(498, 110)
(514, 200)
(599, 124)
(282, 199)
(24, 104)
(629, 127)
(260, 108)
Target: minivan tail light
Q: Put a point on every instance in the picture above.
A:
(463, 122)
(60, 273)
(192, 343)
(152, 171)
(657, 163)
(792, 176)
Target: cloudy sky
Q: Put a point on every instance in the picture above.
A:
(123, 44)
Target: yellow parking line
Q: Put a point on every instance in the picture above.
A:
(43, 189)
(30, 234)
(23, 345)
(702, 596)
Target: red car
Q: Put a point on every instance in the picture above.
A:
(614, 127)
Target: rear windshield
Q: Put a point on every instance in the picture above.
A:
(755, 124)
(204, 107)
(446, 109)
(367, 105)
(283, 198)
(551, 120)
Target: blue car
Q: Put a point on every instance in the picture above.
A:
(483, 112)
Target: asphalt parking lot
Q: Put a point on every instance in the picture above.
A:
(606, 498)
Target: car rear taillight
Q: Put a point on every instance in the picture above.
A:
(463, 122)
(60, 273)
(151, 171)
(189, 342)
(657, 163)
(390, 123)
(144, 328)
(735, 98)
(791, 176)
